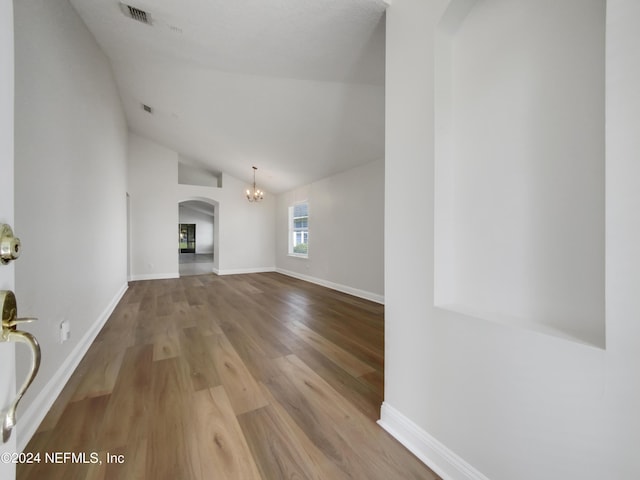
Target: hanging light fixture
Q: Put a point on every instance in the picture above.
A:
(254, 195)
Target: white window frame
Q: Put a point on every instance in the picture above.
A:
(293, 232)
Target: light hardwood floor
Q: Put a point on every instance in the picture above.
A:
(255, 376)
(195, 264)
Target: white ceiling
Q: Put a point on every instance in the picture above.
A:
(294, 87)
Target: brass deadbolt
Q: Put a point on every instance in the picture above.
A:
(9, 245)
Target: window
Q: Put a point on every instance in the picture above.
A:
(299, 230)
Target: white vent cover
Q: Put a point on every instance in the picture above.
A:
(136, 13)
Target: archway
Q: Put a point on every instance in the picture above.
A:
(198, 236)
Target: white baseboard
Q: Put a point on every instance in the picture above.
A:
(433, 453)
(37, 410)
(240, 271)
(374, 297)
(153, 276)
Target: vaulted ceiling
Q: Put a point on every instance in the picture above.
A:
(294, 87)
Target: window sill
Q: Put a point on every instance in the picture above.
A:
(297, 255)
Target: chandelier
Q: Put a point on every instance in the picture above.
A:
(254, 195)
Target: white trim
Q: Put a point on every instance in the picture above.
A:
(240, 271)
(374, 297)
(434, 454)
(37, 410)
(154, 276)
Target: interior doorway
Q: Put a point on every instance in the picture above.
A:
(197, 230)
(187, 237)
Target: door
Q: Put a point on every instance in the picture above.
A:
(187, 238)
(7, 350)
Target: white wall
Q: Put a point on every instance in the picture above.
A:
(190, 175)
(521, 187)
(204, 227)
(346, 232)
(70, 191)
(152, 183)
(245, 231)
(474, 397)
(621, 387)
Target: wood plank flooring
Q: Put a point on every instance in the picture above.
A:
(255, 376)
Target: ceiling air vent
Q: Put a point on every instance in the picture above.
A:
(136, 13)
(147, 108)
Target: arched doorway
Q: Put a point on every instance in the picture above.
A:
(197, 236)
